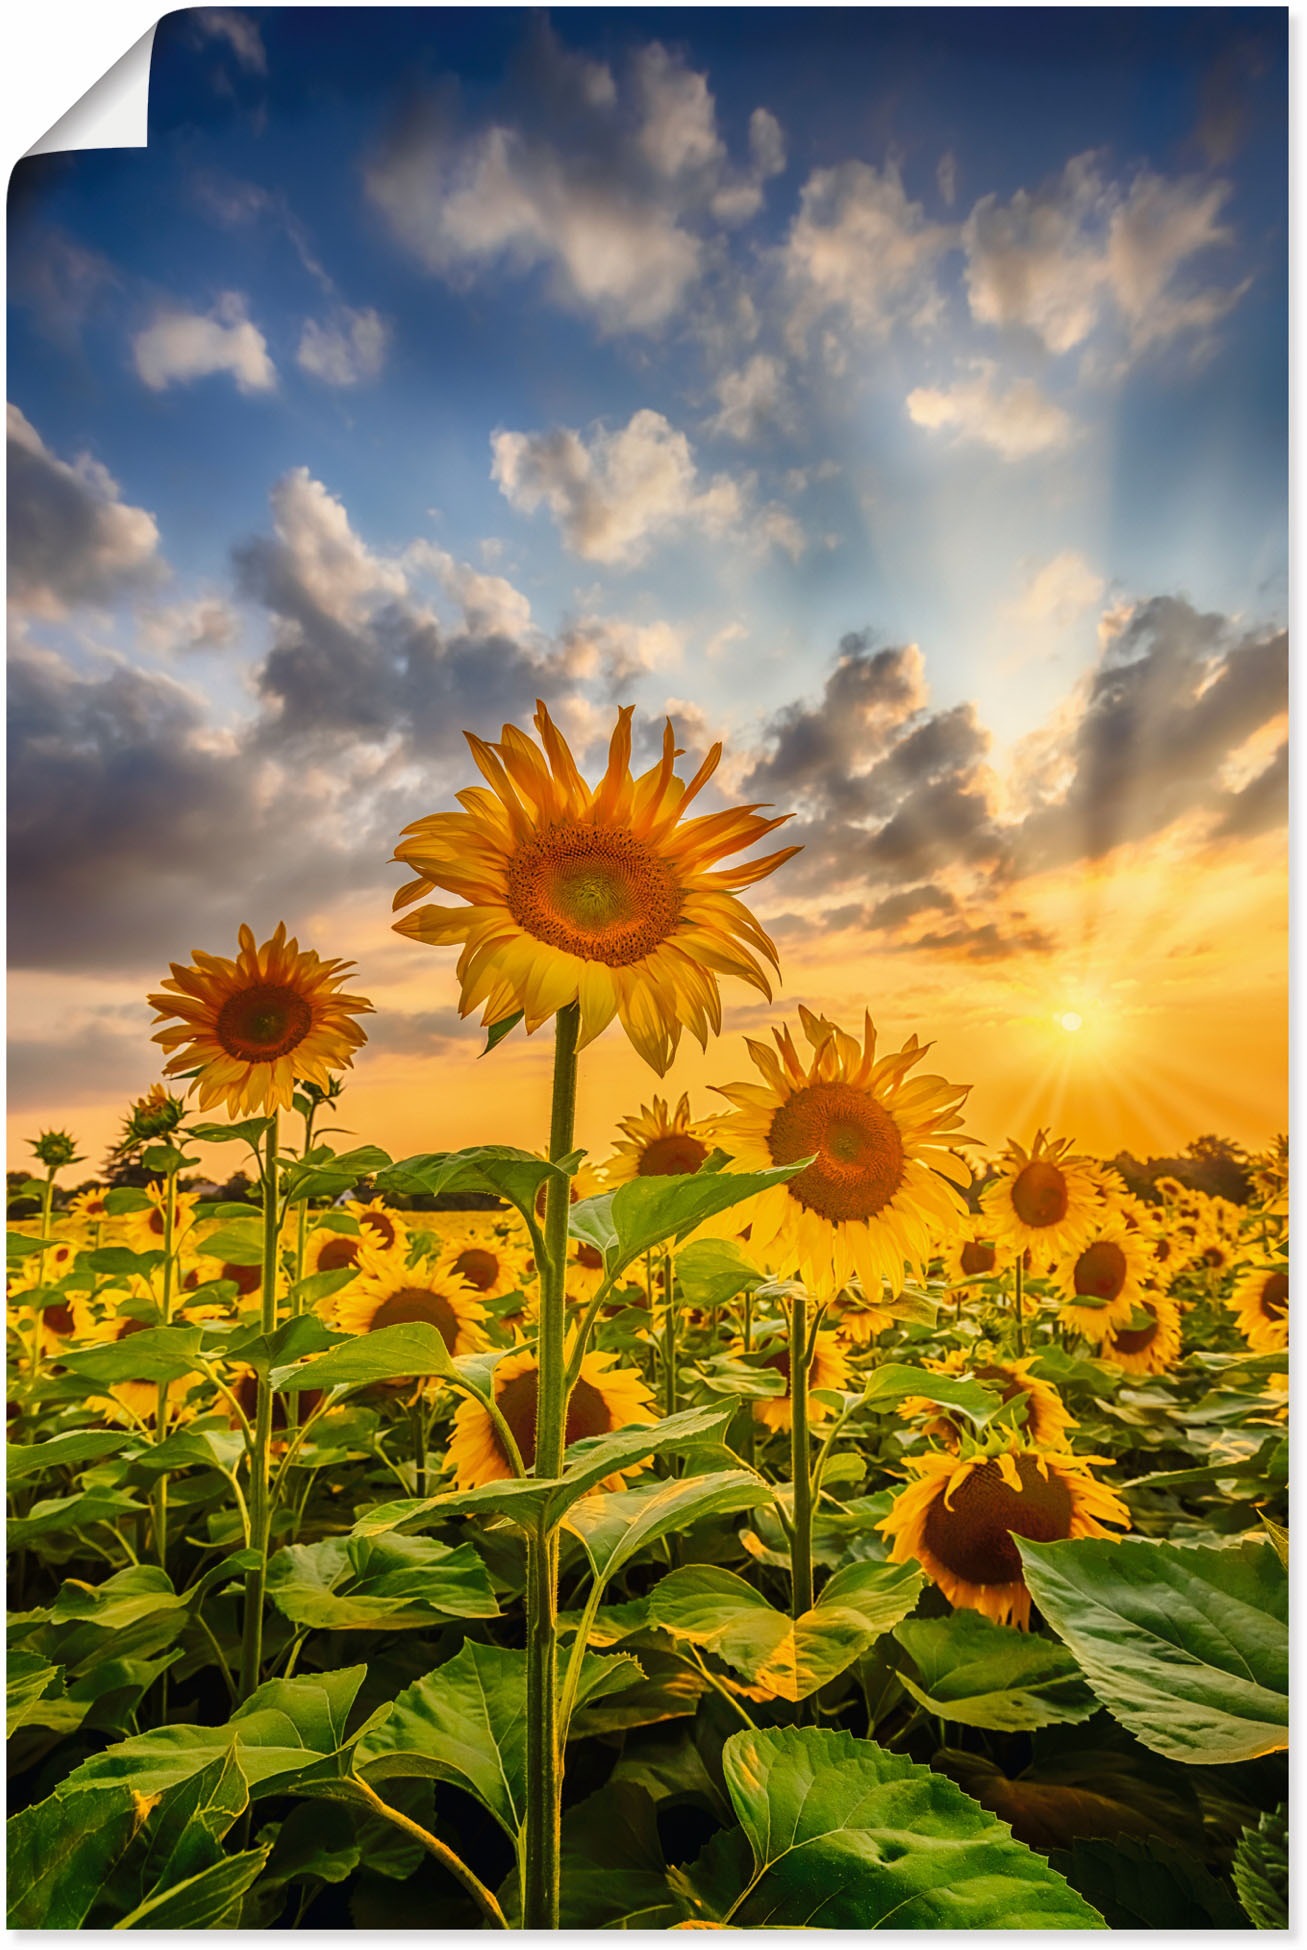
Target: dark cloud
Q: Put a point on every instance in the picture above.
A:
(93, 1063)
(1261, 804)
(421, 1032)
(896, 909)
(818, 751)
(986, 942)
(72, 539)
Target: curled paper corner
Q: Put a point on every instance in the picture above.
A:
(114, 111)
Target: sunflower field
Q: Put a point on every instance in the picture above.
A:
(813, 1513)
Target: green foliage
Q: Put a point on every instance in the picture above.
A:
(978, 1674)
(1148, 1885)
(389, 1584)
(1261, 1870)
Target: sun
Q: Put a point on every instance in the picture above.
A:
(1070, 1021)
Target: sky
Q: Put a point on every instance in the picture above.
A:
(897, 396)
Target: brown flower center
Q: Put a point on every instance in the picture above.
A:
(855, 1145)
(977, 1258)
(247, 1279)
(59, 1318)
(971, 1536)
(341, 1250)
(589, 1256)
(1214, 1256)
(587, 1412)
(382, 1224)
(1100, 1272)
(479, 1267)
(260, 1024)
(1133, 1340)
(1039, 1194)
(593, 891)
(674, 1155)
(246, 1392)
(418, 1303)
(1275, 1296)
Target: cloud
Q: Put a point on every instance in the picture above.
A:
(1058, 592)
(101, 1059)
(752, 398)
(861, 249)
(618, 652)
(490, 604)
(817, 749)
(239, 32)
(72, 539)
(203, 623)
(946, 177)
(59, 280)
(179, 346)
(613, 495)
(346, 348)
(1016, 423)
(895, 909)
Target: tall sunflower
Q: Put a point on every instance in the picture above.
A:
(256, 1025)
(387, 1293)
(660, 1143)
(1047, 1417)
(1150, 1348)
(598, 895)
(604, 1400)
(883, 1168)
(829, 1369)
(1261, 1308)
(958, 1519)
(1103, 1283)
(1044, 1201)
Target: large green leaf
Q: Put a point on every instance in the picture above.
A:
(362, 1585)
(59, 1451)
(649, 1212)
(325, 1173)
(897, 1381)
(1187, 1646)
(844, 1835)
(712, 1271)
(408, 1351)
(155, 1354)
(978, 1674)
(1148, 1885)
(615, 1525)
(140, 1591)
(500, 1169)
(58, 1513)
(61, 1852)
(1261, 1870)
(713, 1608)
(203, 1901)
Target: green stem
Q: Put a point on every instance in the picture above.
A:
(476, 1889)
(38, 1315)
(800, 1460)
(260, 1512)
(669, 1340)
(418, 1413)
(544, 1760)
(160, 1498)
(1018, 1296)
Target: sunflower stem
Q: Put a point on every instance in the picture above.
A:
(418, 1412)
(544, 1760)
(800, 1460)
(1018, 1295)
(260, 1513)
(669, 1343)
(38, 1313)
(161, 1410)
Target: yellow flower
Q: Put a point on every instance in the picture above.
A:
(958, 1519)
(882, 1150)
(1261, 1308)
(594, 895)
(89, 1208)
(829, 1370)
(1217, 1256)
(1044, 1201)
(328, 1250)
(255, 1025)
(1149, 1349)
(604, 1400)
(1047, 1418)
(1104, 1282)
(970, 1254)
(660, 1143)
(489, 1263)
(387, 1293)
(144, 1230)
(379, 1226)
(1169, 1188)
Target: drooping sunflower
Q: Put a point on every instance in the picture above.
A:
(1044, 1201)
(604, 1400)
(255, 1025)
(959, 1517)
(1150, 1348)
(829, 1369)
(660, 1143)
(595, 895)
(1261, 1308)
(884, 1168)
(387, 1293)
(1103, 1283)
(1047, 1417)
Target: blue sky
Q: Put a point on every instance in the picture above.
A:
(679, 357)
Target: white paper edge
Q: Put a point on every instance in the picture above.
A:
(113, 113)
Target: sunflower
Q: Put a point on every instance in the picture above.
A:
(660, 1143)
(491, 1264)
(1150, 1348)
(1047, 1418)
(1169, 1188)
(329, 1250)
(379, 1226)
(829, 1369)
(1044, 1201)
(135, 1402)
(246, 1279)
(599, 896)
(255, 1025)
(1261, 1308)
(387, 1293)
(970, 1254)
(604, 1400)
(881, 1150)
(1104, 1282)
(89, 1208)
(958, 1519)
(65, 1320)
(1166, 1255)
(856, 1321)
(1217, 1256)
(145, 1229)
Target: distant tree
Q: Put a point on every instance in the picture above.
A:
(1210, 1164)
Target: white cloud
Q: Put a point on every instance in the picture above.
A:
(181, 345)
(620, 651)
(73, 540)
(752, 398)
(678, 127)
(946, 177)
(348, 347)
(490, 604)
(205, 623)
(1017, 422)
(860, 248)
(766, 143)
(616, 493)
(333, 565)
(240, 33)
(1058, 592)
(776, 526)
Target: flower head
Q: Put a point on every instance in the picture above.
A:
(1261, 1307)
(659, 1143)
(387, 1293)
(55, 1149)
(1044, 1201)
(604, 1400)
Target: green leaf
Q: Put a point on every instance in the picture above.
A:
(325, 1174)
(410, 1350)
(56, 1513)
(202, 1901)
(28, 1678)
(648, 1212)
(1261, 1870)
(155, 1354)
(238, 1245)
(163, 1158)
(121, 1263)
(500, 1169)
(58, 1451)
(498, 1030)
(712, 1271)
(978, 1674)
(59, 1856)
(251, 1130)
(20, 1245)
(123, 1600)
(1095, 1786)
(613, 1873)
(1148, 1885)
(846, 1836)
(713, 1608)
(894, 1383)
(1188, 1647)
(302, 1335)
(125, 1198)
(615, 1526)
(393, 1585)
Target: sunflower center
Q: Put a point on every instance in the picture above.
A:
(260, 1024)
(977, 1258)
(246, 1279)
(340, 1251)
(674, 1155)
(1039, 1194)
(1100, 1271)
(856, 1150)
(382, 1224)
(1133, 1340)
(408, 1304)
(970, 1537)
(1275, 1296)
(59, 1317)
(478, 1267)
(589, 1256)
(587, 1412)
(1214, 1256)
(593, 891)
